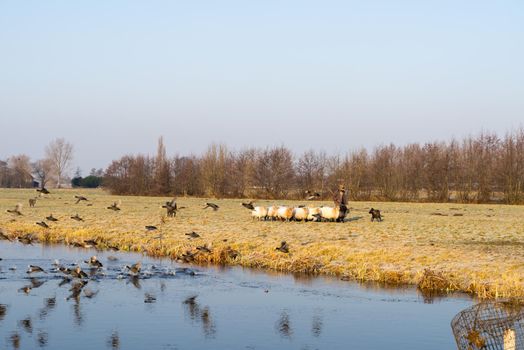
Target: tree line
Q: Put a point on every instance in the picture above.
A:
(19, 171)
(476, 169)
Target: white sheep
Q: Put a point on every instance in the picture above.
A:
(285, 213)
(272, 212)
(313, 214)
(259, 213)
(330, 213)
(300, 213)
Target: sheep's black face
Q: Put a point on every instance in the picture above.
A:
(371, 211)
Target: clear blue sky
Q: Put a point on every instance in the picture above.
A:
(112, 76)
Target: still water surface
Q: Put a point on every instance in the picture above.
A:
(213, 308)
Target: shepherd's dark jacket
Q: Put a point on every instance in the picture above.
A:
(340, 198)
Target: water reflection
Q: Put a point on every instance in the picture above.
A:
(78, 316)
(3, 311)
(135, 281)
(36, 283)
(114, 341)
(49, 305)
(299, 312)
(284, 325)
(15, 340)
(200, 314)
(42, 338)
(490, 325)
(26, 324)
(316, 325)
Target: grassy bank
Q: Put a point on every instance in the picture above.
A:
(477, 249)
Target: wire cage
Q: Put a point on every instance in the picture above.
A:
(490, 325)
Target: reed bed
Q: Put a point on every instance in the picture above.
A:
(477, 249)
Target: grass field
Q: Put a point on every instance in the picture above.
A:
(479, 251)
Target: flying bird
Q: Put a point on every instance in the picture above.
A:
(93, 261)
(42, 224)
(16, 210)
(77, 218)
(171, 207)
(192, 234)
(91, 242)
(312, 195)
(284, 247)
(25, 289)
(34, 268)
(43, 190)
(115, 206)
(151, 227)
(211, 205)
(248, 205)
(135, 268)
(3, 236)
(51, 218)
(78, 273)
(203, 248)
(80, 198)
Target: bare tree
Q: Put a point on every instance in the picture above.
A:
(60, 153)
(162, 175)
(42, 169)
(21, 169)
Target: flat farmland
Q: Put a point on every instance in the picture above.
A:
(472, 248)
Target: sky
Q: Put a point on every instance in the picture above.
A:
(333, 75)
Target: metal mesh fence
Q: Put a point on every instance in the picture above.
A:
(491, 325)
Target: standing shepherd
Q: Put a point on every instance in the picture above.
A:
(340, 197)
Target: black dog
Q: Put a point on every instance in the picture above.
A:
(375, 214)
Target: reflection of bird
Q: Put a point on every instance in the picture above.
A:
(192, 234)
(114, 341)
(15, 340)
(51, 218)
(27, 325)
(35, 282)
(3, 311)
(149, 298)
(211, 205)
(190, 300)
(135, 268)
(76, 289)
(115, 206)
(248, 205)
(151, 227)
(284, 247)
(42, 224)
(16, 211)
(77, 217)
(80, 198)
(89, 293)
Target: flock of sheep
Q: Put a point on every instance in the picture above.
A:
(300, 213)
(303, 213)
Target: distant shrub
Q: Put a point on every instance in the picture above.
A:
(90, 181)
